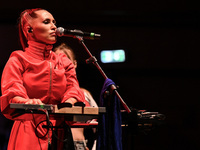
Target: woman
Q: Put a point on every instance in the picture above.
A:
(78, 133)
(37, 75)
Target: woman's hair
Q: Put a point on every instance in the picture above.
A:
(64, 47)
(25, 18)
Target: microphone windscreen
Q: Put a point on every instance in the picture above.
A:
(60, 31)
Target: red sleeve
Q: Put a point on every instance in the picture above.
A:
(73, 89)
(11, 82)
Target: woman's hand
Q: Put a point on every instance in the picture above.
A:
(21, 100)
(71, 101)
(34, 101)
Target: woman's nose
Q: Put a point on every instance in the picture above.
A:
(53, 26)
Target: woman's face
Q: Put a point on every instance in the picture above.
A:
(43, 28)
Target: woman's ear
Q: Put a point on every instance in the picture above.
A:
(29, 29)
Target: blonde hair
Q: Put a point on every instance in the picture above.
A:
(64, 47)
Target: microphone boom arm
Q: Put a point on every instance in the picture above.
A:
(93, 60)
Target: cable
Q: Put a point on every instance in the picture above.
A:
(49, 126)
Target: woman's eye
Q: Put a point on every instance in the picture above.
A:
(46, 21)
(54, 22)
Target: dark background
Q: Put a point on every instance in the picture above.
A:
(162, 70)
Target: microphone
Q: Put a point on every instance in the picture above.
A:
(71, 33)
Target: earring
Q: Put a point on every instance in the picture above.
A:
(30, 30)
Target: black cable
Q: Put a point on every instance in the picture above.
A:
(35, 131)
(49, 126)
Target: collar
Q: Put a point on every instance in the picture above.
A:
(39, 50)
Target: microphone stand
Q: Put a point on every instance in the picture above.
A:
(93, 60)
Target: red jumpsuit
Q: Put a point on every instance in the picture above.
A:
(38, 73)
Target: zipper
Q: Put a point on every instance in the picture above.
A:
(50, 82)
